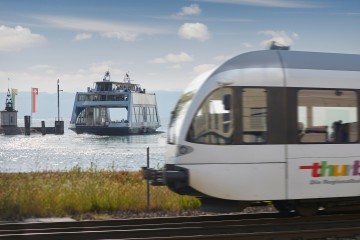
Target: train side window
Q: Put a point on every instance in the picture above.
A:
(327, 116)
(254, 115)
(213, 122)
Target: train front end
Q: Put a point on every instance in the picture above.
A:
(173, 175)
(216, 131)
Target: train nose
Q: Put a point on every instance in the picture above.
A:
(172, 176)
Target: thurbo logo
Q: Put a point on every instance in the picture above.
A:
(324, 169)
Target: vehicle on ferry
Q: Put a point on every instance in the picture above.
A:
(269, 125)
(115, 108)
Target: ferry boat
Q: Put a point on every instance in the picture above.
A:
(115, 108)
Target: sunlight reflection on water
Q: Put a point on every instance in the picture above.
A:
(63, 152)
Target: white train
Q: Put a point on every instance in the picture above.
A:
(270, 125)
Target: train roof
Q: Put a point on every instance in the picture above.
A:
(292, 59)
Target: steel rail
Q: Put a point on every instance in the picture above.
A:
(244, 226)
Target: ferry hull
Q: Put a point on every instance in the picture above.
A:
(111, 131)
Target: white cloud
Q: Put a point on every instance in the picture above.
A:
(43, 68)
(125, 36)
(107, 29)
(270, 3)
(158, 60)
(176, 66)
(281, 37)
(207, 19)
(102, 67)
(173, 58)
(193, 9)
(18, 38)
(197, 31)
(247, 45)
(222, 58)
(295, 35)
(203, 68)
(70, 81)
(99, 67)
(82, 36)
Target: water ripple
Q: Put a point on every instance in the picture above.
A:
(60, 153)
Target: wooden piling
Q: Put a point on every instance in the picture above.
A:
(43, 128)
(27, 120)
(59, 127)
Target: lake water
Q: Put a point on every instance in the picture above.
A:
(36, 152)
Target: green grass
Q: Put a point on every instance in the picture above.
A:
(73, 193)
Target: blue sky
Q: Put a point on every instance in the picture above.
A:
(163, 44)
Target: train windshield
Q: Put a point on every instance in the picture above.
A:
(177, 116)
(178, 113)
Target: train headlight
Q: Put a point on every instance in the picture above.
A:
(182, 150)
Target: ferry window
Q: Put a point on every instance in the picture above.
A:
(154, 115)
(254, 112)
(144, 110)
(150, 117)
(141, 114)
(107, 87)
(138, 114)
(327, 116)
(120, 97)
(134, 114)
(213, 122)
(82, 97)
(111, 98)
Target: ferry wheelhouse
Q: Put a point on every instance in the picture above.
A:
(115, 108)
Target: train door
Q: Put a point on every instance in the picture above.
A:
(324, 161)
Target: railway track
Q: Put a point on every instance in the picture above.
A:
(243, 226)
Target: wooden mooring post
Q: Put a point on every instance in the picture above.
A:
(43, 128)
(59, 127)
(27, 121)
